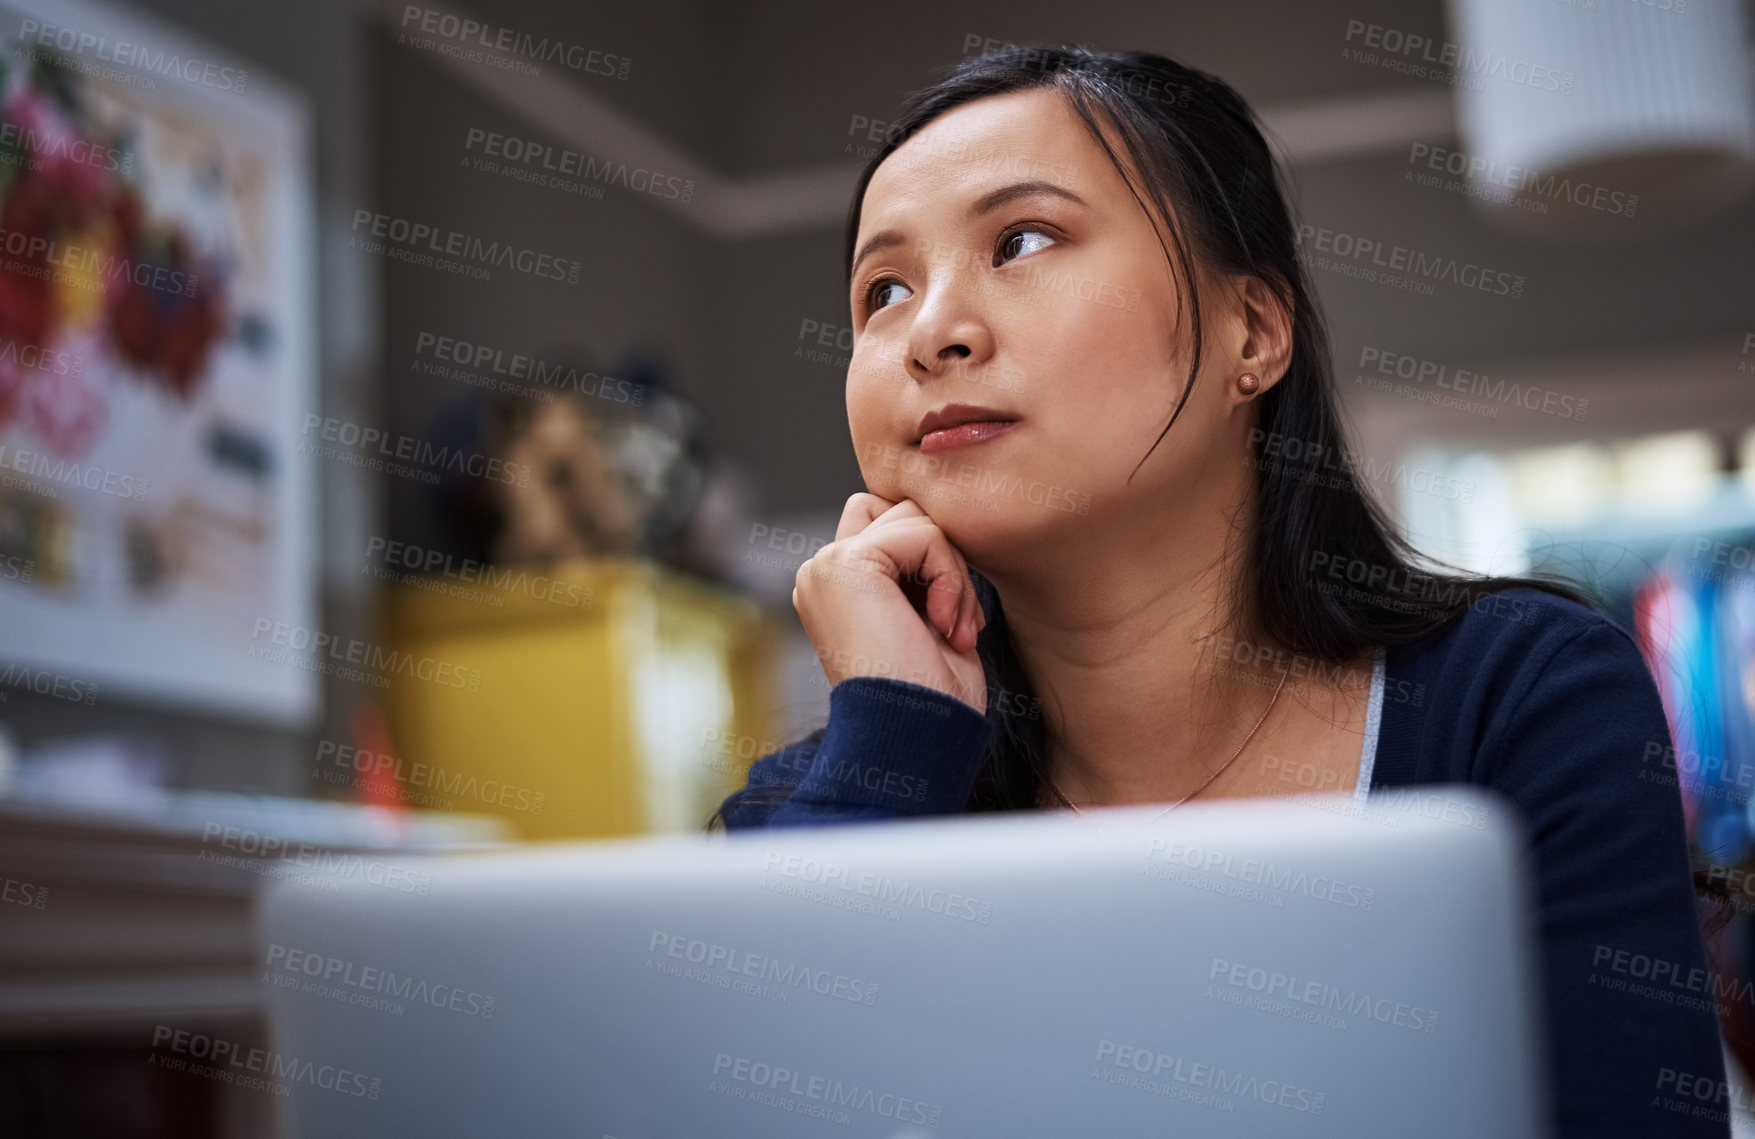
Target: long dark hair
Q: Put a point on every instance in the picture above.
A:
(1213, 185)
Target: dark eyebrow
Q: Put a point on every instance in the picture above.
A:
(890, 238)
(1018, 190)
(885, 240)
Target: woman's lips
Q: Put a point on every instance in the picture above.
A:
(964, 434)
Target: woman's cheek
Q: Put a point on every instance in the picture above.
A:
(875, 456)
(885, 476)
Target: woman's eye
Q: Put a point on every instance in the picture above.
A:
(884, 293)
(1022, 242)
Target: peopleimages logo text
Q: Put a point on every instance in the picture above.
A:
(67, 473)
(352, 651)
(1464, 61)
(1472, 383)
(136, 57)
(377, 980)
(78, 266)
(1312, 240)
(408, 448)
(572, 163)
(1290, 987)
(492, 360)
(372, 765)
(31, 147)
(34, 358)
(424, 239)
(225, 1058)
(463, 31)
(1522, 179)
(827, 1089)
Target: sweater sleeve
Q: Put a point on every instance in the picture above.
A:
(892, 749)
(1634, 1045)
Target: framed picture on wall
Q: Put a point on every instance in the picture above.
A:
(157, 357)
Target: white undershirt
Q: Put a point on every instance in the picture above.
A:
(1373, 721)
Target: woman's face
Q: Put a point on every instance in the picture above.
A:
(1002, 262)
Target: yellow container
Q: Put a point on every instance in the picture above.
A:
(607, 692)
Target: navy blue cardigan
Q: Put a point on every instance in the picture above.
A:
(1545, 701)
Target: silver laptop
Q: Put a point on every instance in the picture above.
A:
(1320, 967)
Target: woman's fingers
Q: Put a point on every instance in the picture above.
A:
(918, 552)
(861, 510)
(865, 597)
(865, 511)
(950, 605)
(928, 560)
(972, 623)
(943, 579)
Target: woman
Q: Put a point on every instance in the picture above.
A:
(1047, 600)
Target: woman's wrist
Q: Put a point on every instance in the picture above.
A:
(897, 745)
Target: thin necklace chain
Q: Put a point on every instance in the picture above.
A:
(1258, 723)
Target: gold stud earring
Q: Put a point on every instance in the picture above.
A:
(1247, 383)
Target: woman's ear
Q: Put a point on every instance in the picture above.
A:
(1265, 324)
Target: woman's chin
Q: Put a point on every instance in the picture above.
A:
(996, 531)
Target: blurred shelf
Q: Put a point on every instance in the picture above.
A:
(120, 1006)
(171, 815)
(119, 917)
